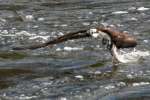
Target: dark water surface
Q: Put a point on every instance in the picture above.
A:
(74, 70)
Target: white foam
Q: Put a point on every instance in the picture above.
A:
(130, 76)
(29, 17)
(24, 97)
(3, 20)
(132, 8)
(8, 35)
(142, 8)
(141, 83)
(72, 48)
(120, 12)
(36, 26)
(146, 41)
(38, 36)
(25, 33)
(134, 19)
(110, 87)
(90, 13)
(128, 57)
(58, 49)
(121, 84)
(42, 33)
(4, 32)
(32, 36)
(79, 76)
(41, 19)
(97, 72)
(105, 24)
(64, 25)
(63, 98)
(85, 23)
(60, 33)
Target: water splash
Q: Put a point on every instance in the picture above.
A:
(120, 12)
(142, 9)
(129, 57)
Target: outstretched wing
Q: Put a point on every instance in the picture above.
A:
(69, 36)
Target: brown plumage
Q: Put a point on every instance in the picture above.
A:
(120, 39)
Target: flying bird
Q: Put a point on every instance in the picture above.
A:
(112, 38)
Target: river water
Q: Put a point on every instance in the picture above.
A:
(76, 69)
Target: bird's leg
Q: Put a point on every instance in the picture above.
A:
(114, 59)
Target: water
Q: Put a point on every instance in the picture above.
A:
(77, 69)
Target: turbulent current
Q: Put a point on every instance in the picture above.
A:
(79, 69)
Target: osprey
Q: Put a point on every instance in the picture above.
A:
(113, 39)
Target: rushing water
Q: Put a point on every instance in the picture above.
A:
(77, 69)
